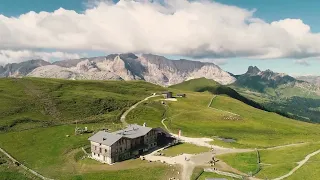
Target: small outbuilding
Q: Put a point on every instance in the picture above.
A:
(181, 95)
(167, 94)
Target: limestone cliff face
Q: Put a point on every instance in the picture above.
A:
(21, 69)
(148, 67)
(163, 71)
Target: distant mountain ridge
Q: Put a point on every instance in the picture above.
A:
(280, 93)
(151, 68)
(311, 79)
(21, 69)
(259, 80)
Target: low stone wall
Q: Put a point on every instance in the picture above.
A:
(23, 166)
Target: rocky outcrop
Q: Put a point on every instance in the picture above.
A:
(21, 69)
(148, 67)
(310, 79)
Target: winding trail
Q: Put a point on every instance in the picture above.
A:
(300, 164)
(195, 160)
(204, 158)
(23, 166)
(205, 143)
(123, 116)
(283, 146)
(228, 112)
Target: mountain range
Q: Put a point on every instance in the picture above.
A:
(311, 79)
(278, 92)
(148, 67)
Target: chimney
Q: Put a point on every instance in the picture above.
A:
(104, 139)
(144, 124)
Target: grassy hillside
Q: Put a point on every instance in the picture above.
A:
(53, 154)
(9, 171)
(274, 162)
(39, 116)
(31, 102)
(253, 128)
(309, 171)
(296, 99)
(203, 84)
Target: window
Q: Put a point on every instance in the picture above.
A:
(94, 154)
(105, 150)
(98, 155)
(100, 144)
(95, 147)
(100, 150)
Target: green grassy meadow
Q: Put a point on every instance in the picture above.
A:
(309, 171)
(273, 162)
(255, 128)
(9, 171)
(36, 115)
(35, 102)
(50, 152)
(244, 162)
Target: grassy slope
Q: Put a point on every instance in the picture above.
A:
(9, 171)
(309, 171)
(255, 129)
(274, 162)
(283, 160)
(43, 102)
(270, 127)
(296, 102)
(147, 112)
(244, 162)
(50, 152)
(30, 106)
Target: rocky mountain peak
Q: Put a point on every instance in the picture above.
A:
(21, 69)
(253, 70)
(151, 68)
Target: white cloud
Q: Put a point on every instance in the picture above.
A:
(219, 62)
(302, 62)
(10, 56)
(195, 29)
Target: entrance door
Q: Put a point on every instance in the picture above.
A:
(140, 151)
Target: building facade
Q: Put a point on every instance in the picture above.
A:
(167, 94)
(124, 144)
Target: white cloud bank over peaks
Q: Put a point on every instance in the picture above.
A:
(203, 29)
(10, 56)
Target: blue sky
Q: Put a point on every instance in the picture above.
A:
(269, 11)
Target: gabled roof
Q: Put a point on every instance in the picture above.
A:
(133, 131)
(105, 138)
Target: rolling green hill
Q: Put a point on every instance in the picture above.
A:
(39, 116)
(252, 128)
(203, 84)
(33, 102)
